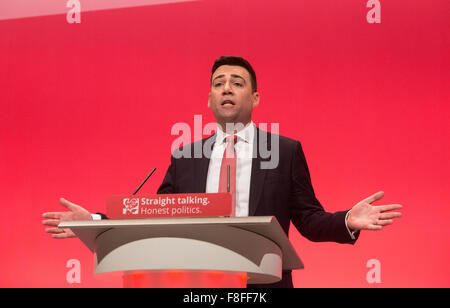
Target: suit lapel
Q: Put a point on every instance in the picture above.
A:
(258, 174)
(201, 166)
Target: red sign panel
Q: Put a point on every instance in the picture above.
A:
(169, 205)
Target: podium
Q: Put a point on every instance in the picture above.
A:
(189, 252)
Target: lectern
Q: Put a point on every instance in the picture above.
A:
(189, 252)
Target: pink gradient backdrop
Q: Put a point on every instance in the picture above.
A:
(87, 109)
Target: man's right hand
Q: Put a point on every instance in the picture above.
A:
(75, 212)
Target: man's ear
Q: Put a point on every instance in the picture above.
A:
(255, 99)
(209, 100)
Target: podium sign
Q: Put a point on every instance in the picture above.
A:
(169, 205)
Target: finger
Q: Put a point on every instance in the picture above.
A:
(374, 197)
(54, 215)
(54, 230)
(51, 222)
(385, 222)
(61, 236)
(390, 215)
(389, 207)
(67, 204)
(374, 227)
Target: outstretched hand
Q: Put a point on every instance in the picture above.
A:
(365, 216)
(75, 212)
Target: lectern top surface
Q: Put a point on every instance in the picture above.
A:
(266, 226)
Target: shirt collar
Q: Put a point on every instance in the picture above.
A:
(245, 134)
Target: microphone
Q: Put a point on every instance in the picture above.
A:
(228, 178)
(144, 181)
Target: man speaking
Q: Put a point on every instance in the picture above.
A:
(277, 185)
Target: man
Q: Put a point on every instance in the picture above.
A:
(282, 189)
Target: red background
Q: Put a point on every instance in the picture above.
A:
(87, 110)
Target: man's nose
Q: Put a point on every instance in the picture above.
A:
(227, 88)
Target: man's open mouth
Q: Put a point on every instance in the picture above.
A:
(227, 102)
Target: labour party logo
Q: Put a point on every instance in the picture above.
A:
(131, 206)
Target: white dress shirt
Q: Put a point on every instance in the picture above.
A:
(244, 152)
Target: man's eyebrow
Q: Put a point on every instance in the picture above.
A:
(220, 76)
(232, 75)
(237, 76)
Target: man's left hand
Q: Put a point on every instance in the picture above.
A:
(365, 216)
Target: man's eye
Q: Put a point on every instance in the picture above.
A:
(218, 84)
(238, 84)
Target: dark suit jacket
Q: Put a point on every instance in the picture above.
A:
(284, 192)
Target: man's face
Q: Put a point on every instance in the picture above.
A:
(231, 98)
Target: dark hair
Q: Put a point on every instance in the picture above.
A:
(236, 61)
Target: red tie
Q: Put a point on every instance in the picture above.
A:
(229, 159)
